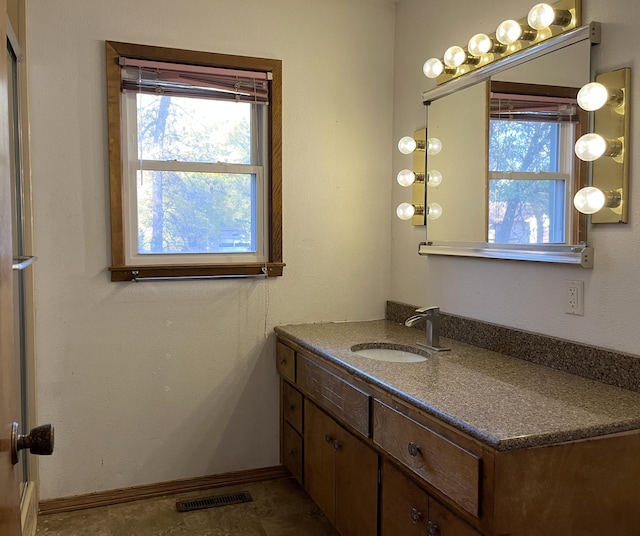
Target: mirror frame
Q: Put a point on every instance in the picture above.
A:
(578, 254)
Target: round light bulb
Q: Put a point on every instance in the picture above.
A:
(432, 68)
(405, 211)
(589, 200)
(454, 56)
(434, 211)
(406, 177)
(407, 145)
(541, 16)
(434, 178)
(590, 147)
(508, 32)
(593, 96)
(480, 44)
(434, 146)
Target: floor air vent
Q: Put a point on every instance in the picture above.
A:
(211, 502)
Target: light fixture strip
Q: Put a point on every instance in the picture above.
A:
(573, 6)
(577, 35)
(611, 174)
(418, 192)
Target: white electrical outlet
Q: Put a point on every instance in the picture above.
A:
(574, 297)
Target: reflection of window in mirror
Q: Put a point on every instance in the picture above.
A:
(533, 171)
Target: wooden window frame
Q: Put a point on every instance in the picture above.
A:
(120, 270)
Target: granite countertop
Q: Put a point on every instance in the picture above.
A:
(505, 402)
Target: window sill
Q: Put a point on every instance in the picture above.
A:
(203, 271)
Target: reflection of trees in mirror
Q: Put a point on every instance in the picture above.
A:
(523, 146)
(192, 210)
(526, 212)
(531, 165)
(524, 209)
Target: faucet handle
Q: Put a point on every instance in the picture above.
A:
(433, 309)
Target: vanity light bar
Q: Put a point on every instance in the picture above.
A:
(543, 22)
(589, 33)
(416, 178)
(418, 189)
(606, 199)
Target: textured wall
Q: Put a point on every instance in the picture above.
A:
(158, 381)
(517, 294)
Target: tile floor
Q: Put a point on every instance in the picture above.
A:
(279, 508)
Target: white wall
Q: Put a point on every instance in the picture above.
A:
(152, 382)
(518, 294)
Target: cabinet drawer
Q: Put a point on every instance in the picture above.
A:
(292, 451)
(334, 394)
(443, 464)
(292, 406)
(286, 362)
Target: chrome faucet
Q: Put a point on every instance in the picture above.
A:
(431, 317)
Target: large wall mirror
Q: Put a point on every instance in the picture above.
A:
(508, 168)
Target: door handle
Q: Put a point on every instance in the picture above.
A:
(38, 441)
(20, 263)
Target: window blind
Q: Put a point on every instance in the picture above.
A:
(533, 108)
(185, 80)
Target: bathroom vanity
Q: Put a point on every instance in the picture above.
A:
(467, 442)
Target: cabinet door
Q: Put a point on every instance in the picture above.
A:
(292, 451)
(356, 486)
(319, 458)
(443, 522)
(404, 507)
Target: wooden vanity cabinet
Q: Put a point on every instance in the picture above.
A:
(337, 430)
(332, 436)
(341, 474)
(337, 440)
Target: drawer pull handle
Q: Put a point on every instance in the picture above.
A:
(337, 445)
(292, 408)
(328, 438)
(432, 529)
(413, 449)
(415, 515)
(283, 361)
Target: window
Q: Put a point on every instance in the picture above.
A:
(532, 168)
(195, 163)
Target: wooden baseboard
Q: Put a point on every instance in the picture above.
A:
(147, 491)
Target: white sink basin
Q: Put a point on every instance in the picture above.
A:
(388, 354)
